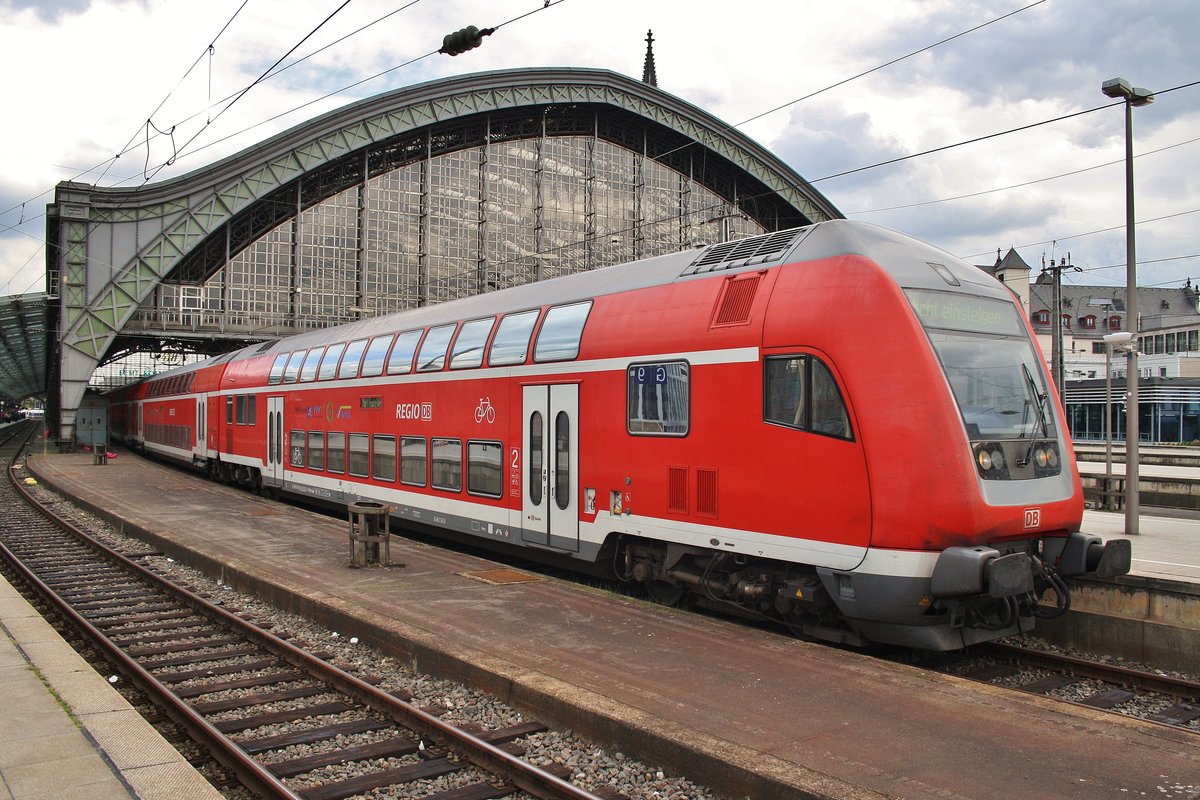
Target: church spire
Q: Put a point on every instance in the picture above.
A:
(649, 75)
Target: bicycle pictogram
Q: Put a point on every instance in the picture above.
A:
(485, 410)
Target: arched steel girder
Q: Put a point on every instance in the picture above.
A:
(753, 197)
(108, 249)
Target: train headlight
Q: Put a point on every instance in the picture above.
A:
(989, 456)
(1045, 458)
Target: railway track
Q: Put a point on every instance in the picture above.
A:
(1157, 697)
(231, 685)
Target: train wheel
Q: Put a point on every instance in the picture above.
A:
(666, 594)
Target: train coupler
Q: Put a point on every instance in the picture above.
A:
(1084, 554)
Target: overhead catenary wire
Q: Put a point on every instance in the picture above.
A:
(547, 4)
(887, 64)
(268, 74)
(234, 97)
(108, 163)
(229, 99)
(1019, 185)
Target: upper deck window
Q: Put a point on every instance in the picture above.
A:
(511, 345)
(329, 362)
(276, 375)
(400, 360)
(308, 371)
(561, 332)
(433, 351)
(350, 361)
(468, 347)
(376, 353)
(291, 373)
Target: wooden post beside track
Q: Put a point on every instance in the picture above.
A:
(370, 535)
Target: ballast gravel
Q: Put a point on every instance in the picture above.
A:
(592, 767)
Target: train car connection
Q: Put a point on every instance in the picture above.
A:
(838, 427)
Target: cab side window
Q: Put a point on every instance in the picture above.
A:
(800, 392)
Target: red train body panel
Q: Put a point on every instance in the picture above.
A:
(837, 427)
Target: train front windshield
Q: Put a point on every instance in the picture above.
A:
(992, 365)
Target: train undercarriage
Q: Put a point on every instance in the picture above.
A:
(975, 594)
(790, 594)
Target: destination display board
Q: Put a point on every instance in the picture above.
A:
(962, 312)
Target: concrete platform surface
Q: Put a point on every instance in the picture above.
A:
(711, 698)
(1166, 547)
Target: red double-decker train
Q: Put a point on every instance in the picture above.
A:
(836, 426)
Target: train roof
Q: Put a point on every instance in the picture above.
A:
(906, 258)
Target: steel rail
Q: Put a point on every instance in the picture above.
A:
(475, 750)
(222, 749)
(1163, 684)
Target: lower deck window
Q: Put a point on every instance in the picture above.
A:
(297, 449)
(316, 450)
(383, 458)
(657, 398)
(447, 464)
(485, 461)
(414, 458)
(360, 455)
(336, 452)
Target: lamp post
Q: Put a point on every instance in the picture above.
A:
(1119, 87)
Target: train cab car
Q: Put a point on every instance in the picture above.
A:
(837, 427)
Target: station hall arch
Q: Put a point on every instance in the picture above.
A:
(442, 190)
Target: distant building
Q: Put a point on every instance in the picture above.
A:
(1168, 347)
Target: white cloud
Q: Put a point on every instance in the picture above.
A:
(84, 77)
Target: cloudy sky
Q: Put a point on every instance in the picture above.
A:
(84, 76)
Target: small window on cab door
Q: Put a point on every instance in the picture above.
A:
(800, 392)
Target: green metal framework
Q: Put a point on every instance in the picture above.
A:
(109, 249)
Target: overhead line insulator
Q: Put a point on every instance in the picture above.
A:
(464, 39)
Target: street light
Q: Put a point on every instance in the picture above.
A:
(1119, 87)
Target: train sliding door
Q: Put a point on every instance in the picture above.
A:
(550, 440)
(275, 448)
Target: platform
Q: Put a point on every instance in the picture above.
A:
(712, 698)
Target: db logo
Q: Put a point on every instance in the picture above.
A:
(1033, 518)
